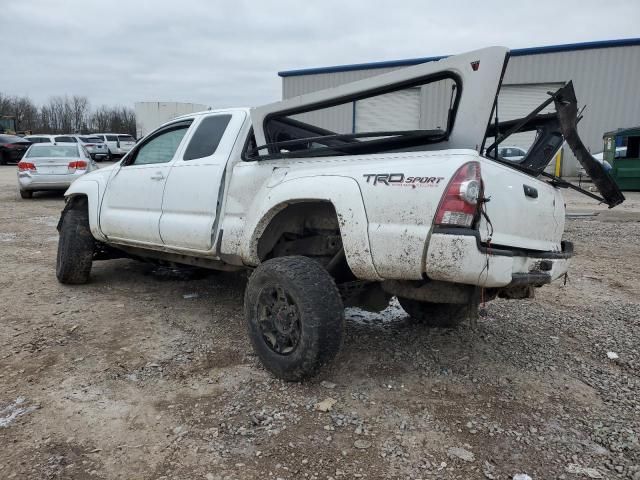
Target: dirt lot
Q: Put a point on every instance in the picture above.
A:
(127, 378)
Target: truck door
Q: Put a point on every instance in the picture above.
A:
(132, 203)
(193, 193)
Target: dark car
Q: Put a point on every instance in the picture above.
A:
(12, 148)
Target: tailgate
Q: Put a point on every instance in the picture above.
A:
(523, 211)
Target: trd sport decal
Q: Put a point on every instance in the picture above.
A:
(399, 180)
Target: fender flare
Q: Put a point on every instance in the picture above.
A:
(345, 196)
(91, 190)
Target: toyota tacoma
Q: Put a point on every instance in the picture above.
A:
(349, 212)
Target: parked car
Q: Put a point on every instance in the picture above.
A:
(66, 138)
(323, 220)
(43, 138)
(510, 153)
(118, 144)
(52, 167)
(95, 146)
(599, 157)
(12, 148)
(40, 138)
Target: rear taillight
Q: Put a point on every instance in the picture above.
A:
(26, 167)
(78, 165)
(89, 145)
(459, 205)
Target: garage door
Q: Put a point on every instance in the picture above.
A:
(516, 101)
(392, 111)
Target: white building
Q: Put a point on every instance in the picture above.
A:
(150, 115)
(606, 76)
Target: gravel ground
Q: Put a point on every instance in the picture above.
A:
(126, 378)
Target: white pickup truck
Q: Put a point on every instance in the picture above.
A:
(325, 218)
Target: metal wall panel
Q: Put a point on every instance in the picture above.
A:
(605, 79)
(150, 115)
(392, 111)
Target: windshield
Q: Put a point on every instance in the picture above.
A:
(58, 151)
(400, 118)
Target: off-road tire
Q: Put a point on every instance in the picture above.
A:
(320, 313)
(439, 315)
(75, 245)
(26, 194)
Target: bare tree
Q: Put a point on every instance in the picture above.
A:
(80, 111)
(64, 114)
(22, 108)
(114, 119)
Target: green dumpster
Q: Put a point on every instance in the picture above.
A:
(622, 151)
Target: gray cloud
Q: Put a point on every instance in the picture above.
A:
(227, 53)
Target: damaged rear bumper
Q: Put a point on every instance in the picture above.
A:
(458, 256)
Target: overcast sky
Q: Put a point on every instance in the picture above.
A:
(228, 53)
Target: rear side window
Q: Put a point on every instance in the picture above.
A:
(126, 138)
(111, 138)
(207, 137)
(66, 140)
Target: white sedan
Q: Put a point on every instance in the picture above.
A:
(52, 167)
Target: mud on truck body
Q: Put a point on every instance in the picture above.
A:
(323, 219)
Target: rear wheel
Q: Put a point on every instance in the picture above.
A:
(295, 316)
(440, 315)
(4, 158)
(26, 194)
(75, 245)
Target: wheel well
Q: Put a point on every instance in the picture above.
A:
(78, 200)
(310, 229)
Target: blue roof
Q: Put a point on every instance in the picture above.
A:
(517, 52)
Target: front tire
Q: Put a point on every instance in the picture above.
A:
(75, 246)
(26, 194)
(439, 315)
(295, 316)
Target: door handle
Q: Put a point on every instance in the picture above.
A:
(157, 176)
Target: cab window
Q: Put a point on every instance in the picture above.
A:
(162, 147)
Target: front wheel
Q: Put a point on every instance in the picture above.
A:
(26, 194)
(295, 316)
(440, 315)
(75, 245)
